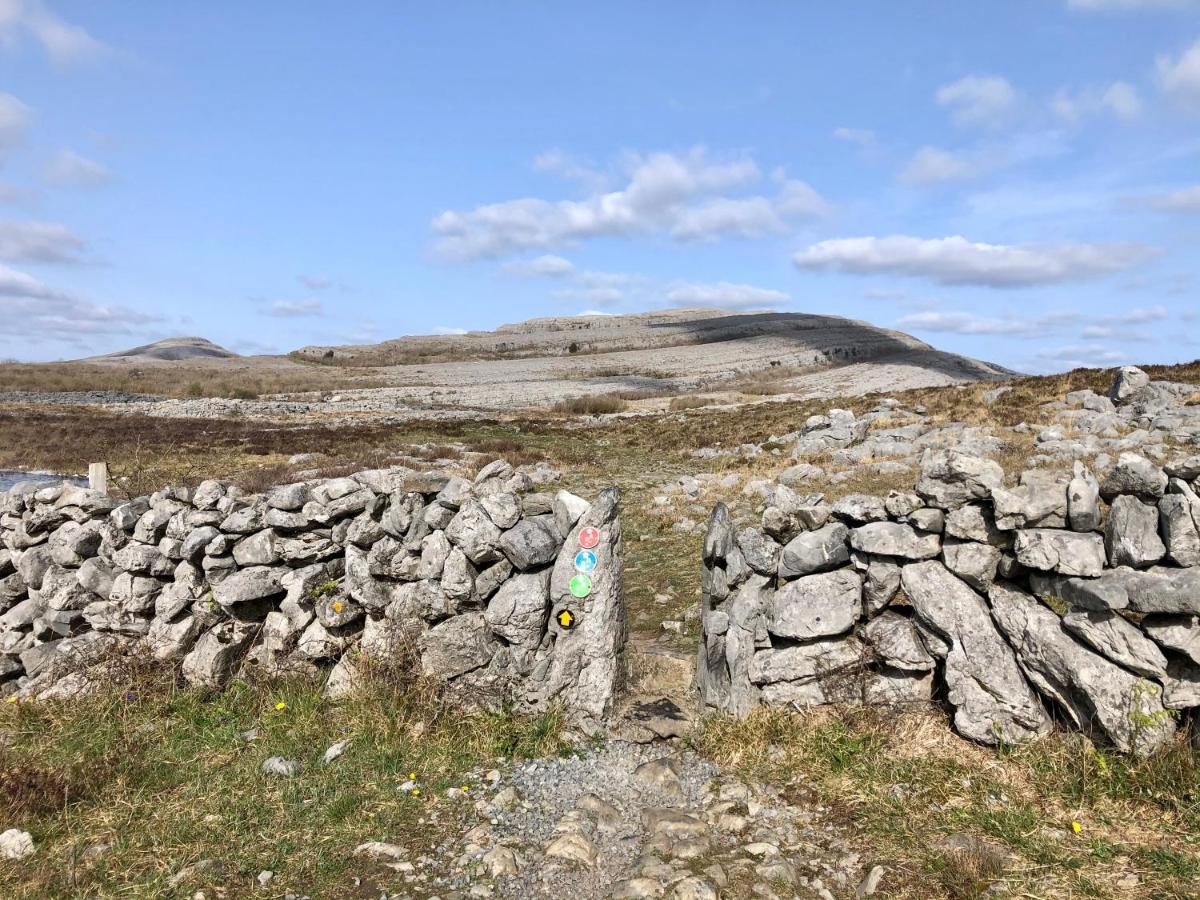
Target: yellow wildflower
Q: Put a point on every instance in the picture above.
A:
(1076, 827)
(280, 706)
(416, 792)
(337, 606)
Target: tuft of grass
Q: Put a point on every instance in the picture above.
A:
(594, 405)
(163, 776)
(678, 404)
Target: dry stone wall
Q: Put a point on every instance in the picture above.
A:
(1062, 597)
(479, 578)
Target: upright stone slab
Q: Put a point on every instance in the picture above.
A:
(992, 701)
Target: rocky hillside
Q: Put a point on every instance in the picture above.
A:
(795, 339)
(172, 349)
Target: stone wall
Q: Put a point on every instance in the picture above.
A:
(1062, 597)
(321, 575)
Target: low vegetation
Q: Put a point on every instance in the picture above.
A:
(149, 789)
(1057, 817)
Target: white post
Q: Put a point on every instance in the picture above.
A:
(98, 477)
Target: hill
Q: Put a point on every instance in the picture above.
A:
(172, 349)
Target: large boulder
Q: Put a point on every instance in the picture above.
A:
(1179, 518)
(213, 660)
(898, 642)
(1038, 501)
(895, 539)
(531, 542)
(518, 611)
(816, 606)
(1112, 635)
(1136, 475)
(1095, 693)
(1131, 534)
(809, 674)
(456, 646)
(256, 585)
(1129, 381)
(950, 479)
(1065, 552)
(992, 701)
(1083, 499)
(473, 531)
(812, 551)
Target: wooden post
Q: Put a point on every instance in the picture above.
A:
(98, 477)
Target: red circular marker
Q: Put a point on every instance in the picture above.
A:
(589, 538)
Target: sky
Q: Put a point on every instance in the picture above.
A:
(1016, 181)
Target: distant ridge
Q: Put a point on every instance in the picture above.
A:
(172, 349)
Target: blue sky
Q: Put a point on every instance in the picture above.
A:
(1017, 181)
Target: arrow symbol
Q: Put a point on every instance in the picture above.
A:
(565, 619)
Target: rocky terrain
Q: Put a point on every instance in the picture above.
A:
(173, 349)
(640, 361)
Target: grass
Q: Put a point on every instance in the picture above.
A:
(243, 381)
(593, 405)
(161, 776)
(949, 818)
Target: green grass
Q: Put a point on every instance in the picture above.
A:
(163, 774)
(906, 785)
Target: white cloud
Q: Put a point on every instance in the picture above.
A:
(63, 42)
(14, 120)
(546, 266)
(1180, 78)
(29, 309)
(1139, 316)
(1125, 5)
(683, 196)
(955, 260)
(724, 295)
(594, 312)
(39, 242)
(315, 282)
(932, 165)
(69, 169)
(295, 309)
(562, 164)
(447, 332)
(864, 137)
(1120, 98)
(979, 100)
(969, 323)
(1184, 200)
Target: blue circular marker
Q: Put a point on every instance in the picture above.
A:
(585, 561)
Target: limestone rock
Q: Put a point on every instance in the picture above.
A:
(456, 646)
(1083, 499)
(1177, 633)
(816, 605)
(1067, 553)
(531, 542)
(1131, 534)
(212, 661)
(813, 551)
(519, 609)
(991, 699)
(1112, 635)
(895, 539)
(898, 642)
(950, 479)
(255, 585)
(976, 564)
(1136, 475)
(1093, 691)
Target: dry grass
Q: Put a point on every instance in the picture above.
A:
(594, 405)
(678, 404)
(226, 378)
(949, 818)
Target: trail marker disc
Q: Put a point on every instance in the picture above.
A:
(581, 586)
(585, 561)
(566, 620)
(589, 537)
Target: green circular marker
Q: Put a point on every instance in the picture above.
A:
(581, 586)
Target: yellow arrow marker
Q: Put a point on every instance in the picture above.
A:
(566, 619)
